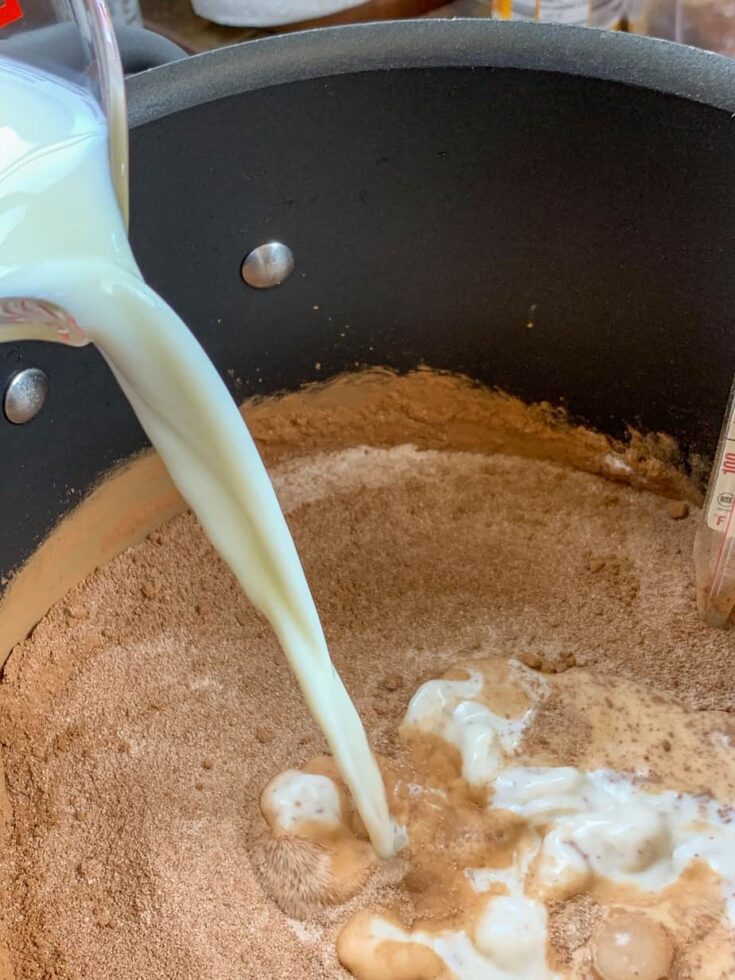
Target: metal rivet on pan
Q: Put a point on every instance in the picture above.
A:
(25, 395)
(267, 265)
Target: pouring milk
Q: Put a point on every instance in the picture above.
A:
(62, 241)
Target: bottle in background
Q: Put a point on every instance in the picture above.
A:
(608, 14)
(706, 24)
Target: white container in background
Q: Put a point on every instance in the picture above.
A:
(268, 13)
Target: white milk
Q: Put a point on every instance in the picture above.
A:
(62, 240)
(587, 826)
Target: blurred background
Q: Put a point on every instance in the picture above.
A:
(198, 25)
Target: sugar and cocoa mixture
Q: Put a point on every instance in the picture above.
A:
(143, 717)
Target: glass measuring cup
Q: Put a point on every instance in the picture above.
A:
(74, 40)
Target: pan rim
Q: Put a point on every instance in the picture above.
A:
(627, 59)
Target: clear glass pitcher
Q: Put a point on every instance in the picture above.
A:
(75, 40)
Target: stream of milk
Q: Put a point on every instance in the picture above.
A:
(62, 240)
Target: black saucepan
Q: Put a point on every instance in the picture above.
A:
(442, 185)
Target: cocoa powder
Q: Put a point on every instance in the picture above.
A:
(138, 734)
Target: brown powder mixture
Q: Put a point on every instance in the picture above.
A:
(145, 714)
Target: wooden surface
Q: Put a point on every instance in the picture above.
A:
(177, 20)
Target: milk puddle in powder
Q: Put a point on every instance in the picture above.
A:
(62, 241)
